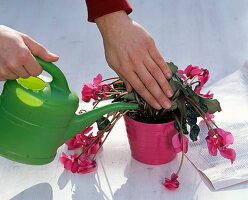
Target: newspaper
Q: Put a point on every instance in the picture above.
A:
(232, 92)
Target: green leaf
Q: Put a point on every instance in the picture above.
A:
(180, 81)
(184, 126)
(191, 121)
(176, 126)
(172, 67)
(194, 132)
(192, 94)
(185, 130)
(191, 112)
(174, 85)
(129, 96)
(102, 123)
(173, 106)
(213, 105)
(203, 107)
(179, 105)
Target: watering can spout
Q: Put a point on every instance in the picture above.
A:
(80, 122)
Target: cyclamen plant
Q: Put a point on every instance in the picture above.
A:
(188, 104)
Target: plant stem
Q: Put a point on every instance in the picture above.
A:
(182, 137)
(202, 112)
(203, 115)
(117, 118)
(112, 88)
(190, 84)
(98, 136)
(193, 79)
(110, 79)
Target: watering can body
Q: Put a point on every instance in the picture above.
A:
(37, 117)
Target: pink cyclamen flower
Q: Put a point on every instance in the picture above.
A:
(70, 162)
(93, 147)
(76, 141)
(90, 90)
(177, 143)
(192, 71)
(86, 165)
(208, 95)
(182, 74)
(204, 77)
(221, 143)
(171, 184)
(82, 165)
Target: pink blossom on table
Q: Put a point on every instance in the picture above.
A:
(86, 165)
(70, 162)
(177, 143)
(171, 184)
(221, 143)
(74, 164)
(90, 90)
(76, 141)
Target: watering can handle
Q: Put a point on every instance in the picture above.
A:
(59, 81)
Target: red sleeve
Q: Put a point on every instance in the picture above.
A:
(98, 8)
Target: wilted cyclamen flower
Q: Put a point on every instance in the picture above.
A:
(171, 184)
(221, 143)
(76, 141)
(87, 141)
(90, 90)
(177, 143)
(74, 164)
(86, 165)
(192, 71)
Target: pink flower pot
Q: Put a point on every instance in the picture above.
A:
(150, 143)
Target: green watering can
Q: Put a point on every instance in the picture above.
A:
(37, 117)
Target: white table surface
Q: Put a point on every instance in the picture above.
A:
(211, 34)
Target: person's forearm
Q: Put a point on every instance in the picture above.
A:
(131, 52)
(98, 8)
(111, 22)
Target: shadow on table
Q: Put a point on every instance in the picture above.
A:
(40, 191)
(83, 185)
(144, 182)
